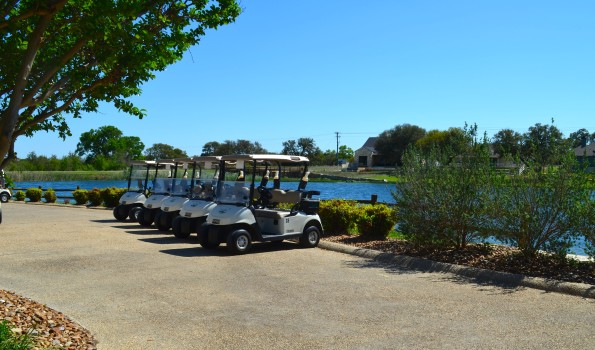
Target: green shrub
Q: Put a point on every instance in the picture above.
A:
(20, 196)
(81, 196)
(50, 196)
(375, 222)
(34, 194)
(111, 196)
(337, 216)
(11, 341)
(95, 197)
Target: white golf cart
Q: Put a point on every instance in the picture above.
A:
(133, 199)
(247, 211)
(160, 190)
(180, 188)
(202, 192)
(5, 194)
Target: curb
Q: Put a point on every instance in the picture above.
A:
(425, 265)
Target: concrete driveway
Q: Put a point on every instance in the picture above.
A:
(137, 288)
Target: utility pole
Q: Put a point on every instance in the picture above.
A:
(337, 134)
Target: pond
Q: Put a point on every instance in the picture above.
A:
(328, 190)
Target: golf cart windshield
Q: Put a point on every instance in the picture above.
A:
(137, 177)
(234, 189)
(205, 186)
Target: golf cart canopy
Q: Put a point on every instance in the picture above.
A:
(266, 157)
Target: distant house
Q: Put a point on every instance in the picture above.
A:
(367, 156)
(586, 154)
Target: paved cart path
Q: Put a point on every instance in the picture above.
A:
(137, 288)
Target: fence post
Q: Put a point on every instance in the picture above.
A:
(374, 199)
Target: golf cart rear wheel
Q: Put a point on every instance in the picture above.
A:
(310, 237)
(239, 242)
(121, 212)
(133, 214)
(180, 228)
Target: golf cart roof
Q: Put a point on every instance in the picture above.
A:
(198, 159)
(266, 157)
(142, 162)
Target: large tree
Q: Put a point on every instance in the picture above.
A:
(581, 138)
(507, 142)
(214, 148)
(109, 142)
(393, 143)
(544, 145)
(304, 146)
(164, 151)
(64, 57)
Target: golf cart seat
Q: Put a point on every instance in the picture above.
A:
(281, 196)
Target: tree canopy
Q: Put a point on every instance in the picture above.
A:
(108, 143)
(164, 151)
(64, 57)
(393, 143)
(214, 148)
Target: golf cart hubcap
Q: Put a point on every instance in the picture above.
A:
(242, 242)
(312, 237)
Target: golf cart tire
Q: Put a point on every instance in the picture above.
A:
(178, 227)
(121, 212)
(310, 237)
(203, 240)
(4, 197)
(133, 214)
(145, 218)
(239, 242)
(162, 221)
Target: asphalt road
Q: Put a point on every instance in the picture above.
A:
(137, 288)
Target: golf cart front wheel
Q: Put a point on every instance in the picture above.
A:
(121, 212)
(4, 197)
(310, 237)
(239, 242)
(180, 227)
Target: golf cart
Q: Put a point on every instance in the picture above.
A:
(178, 195)
(135, 196)
(248, 211)
(160, 190)
(4, 191)
(202, 192)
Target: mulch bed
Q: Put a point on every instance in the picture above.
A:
(491, 257)
(49, 328)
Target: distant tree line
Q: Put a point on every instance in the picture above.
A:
(543, 144)
(107, 148)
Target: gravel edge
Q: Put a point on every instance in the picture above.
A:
(425, 265)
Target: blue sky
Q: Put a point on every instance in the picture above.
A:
(310, 68)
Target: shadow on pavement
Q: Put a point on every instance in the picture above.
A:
(257, 248)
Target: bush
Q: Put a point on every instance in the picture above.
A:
(81, 196)
(111, 196)
(547, 210)
(20, 196)
(337, 216)
(34, 194)
(50, 196)
(374, 222)
(95, 197)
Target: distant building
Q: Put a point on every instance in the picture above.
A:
(367, 156)
(586, 154)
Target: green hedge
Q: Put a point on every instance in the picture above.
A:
(20, 196)
(95, 198)
(111, 196)
(337, 216)
(50, 196)
(34, 194)
(81, 196)
(370, 221)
